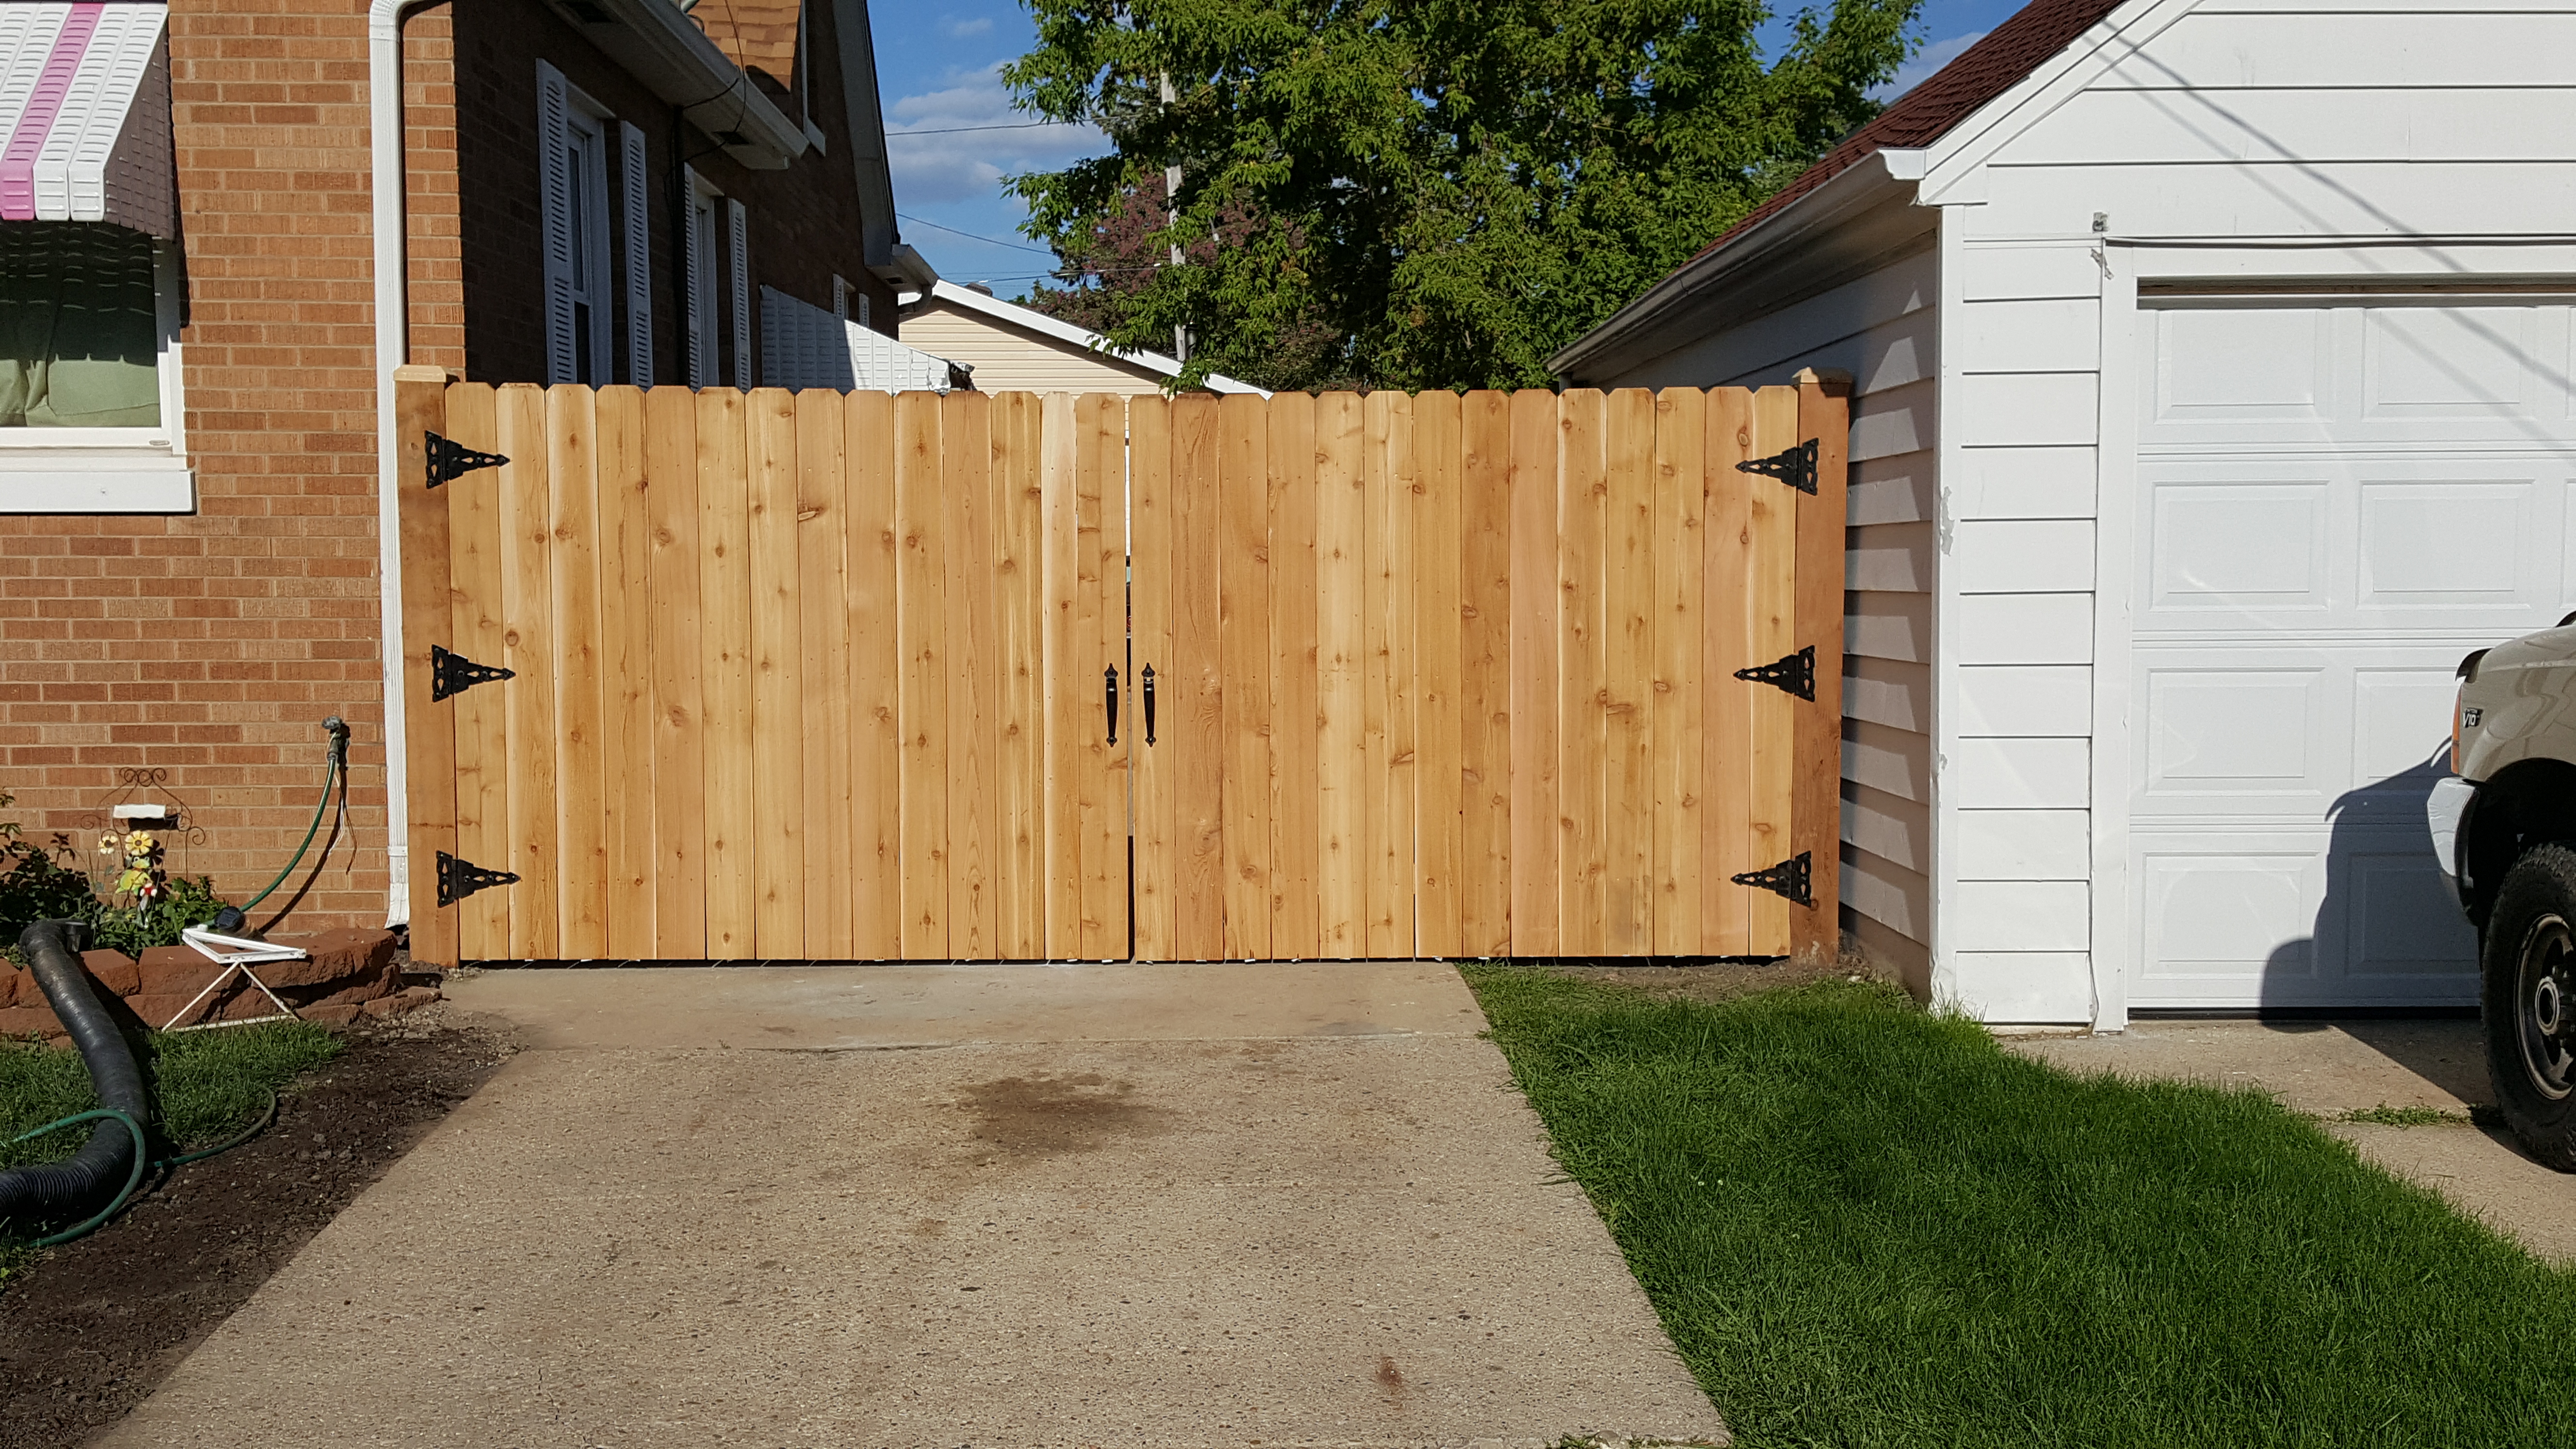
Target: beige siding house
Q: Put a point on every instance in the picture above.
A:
(1013, 349)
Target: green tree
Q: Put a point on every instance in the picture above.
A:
(1418, 193)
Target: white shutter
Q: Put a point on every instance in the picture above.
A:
(555, 181)
(738, 260)
(693, 263)
(639, 257)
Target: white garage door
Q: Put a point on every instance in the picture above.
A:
(2338, 498)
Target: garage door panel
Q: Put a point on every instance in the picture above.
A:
(2218, 545)
(2399, 919)
(2401, 723)
(2380, 544)
(2348, 915)
(2223, 919)
(2459, 544)
(2428, 363)
(2392, 373)
(2337, 498)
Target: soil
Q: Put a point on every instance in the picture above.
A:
(90, 1328)
(1717, 980)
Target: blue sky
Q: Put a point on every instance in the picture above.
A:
(937, 66)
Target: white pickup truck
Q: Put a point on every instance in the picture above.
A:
(2504, 826)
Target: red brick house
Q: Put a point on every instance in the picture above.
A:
(224, 222)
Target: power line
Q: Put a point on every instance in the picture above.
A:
(961, 130)
(970, 236)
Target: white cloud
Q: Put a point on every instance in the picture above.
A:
(961, 164)
(980, 25)
(1918, 70)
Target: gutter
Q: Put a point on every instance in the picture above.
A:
(657, 43)
(393, 348)
(1640, 331)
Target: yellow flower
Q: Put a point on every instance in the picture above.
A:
(107, 845)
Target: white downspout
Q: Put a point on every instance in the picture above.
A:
(393, 348)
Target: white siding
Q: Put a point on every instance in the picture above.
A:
(1007, 359)
(1884, 329)
(2241, 119)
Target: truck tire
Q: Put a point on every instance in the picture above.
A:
(2528, 1002)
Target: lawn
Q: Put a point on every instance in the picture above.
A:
(1865, 1224)
(207, 1085)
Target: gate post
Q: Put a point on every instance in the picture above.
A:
(429, 725)
(1815, 813)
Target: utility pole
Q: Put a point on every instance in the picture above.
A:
(1172, 218)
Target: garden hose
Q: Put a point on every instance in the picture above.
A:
(135, 1177)
(335, 767)
(57, 1190)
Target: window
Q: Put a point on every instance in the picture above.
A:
(573, 165)
(89, 371)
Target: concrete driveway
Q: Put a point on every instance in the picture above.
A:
(2333, 1069)
(945, 1206)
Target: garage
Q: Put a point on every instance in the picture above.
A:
(2337, 498)
(2210, 373)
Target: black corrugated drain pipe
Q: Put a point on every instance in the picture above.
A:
(106, 1169)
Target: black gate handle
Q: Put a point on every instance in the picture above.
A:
(1149, 704)
(1109, 678)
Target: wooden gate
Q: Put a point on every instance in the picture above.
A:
(857, 676)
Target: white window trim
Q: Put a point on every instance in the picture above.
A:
(112, 470)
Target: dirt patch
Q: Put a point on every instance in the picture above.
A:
(90, 1328)
(1043, 1116)
(1714, 980)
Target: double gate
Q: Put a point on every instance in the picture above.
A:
(727, 675)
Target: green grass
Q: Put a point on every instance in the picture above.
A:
(2387, 1116)
(207, 1085)
(1864, 1224)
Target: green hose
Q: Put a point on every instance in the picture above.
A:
(141, 1160)
(141, 1154)
(335, 765)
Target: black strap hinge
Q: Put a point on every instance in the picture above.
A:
(458, 879)
(1795, 466)
(1795, 673)
(452, 674)
(1788, 878)
(450, 460)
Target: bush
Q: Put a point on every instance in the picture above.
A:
(35, 887)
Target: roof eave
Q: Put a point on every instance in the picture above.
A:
(1776, 248)
(654, 41)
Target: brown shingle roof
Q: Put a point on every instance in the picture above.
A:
(1926, 113)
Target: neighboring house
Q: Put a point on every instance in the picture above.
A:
(2213, 400)
(1010, 348)
(221, 228)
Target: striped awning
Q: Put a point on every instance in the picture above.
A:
(85, 115)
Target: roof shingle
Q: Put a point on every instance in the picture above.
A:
(1926, 113)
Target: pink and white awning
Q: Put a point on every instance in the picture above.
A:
(85, 114)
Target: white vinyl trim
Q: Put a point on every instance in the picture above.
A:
(2116, 948)
(635, 188)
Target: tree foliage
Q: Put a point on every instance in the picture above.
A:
(1417, 193)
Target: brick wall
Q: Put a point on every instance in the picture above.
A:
(212, 646)
(804, 220)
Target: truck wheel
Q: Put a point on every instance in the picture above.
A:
(2529, 1002)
